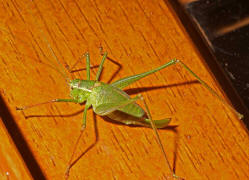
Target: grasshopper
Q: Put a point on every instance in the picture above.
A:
(110, 100)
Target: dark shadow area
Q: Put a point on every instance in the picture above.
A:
(225, 26)
(20, 142)
(175, 153)
(211, 62)
(81, 69)
(175, 149)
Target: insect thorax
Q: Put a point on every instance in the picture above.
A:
(81, 89)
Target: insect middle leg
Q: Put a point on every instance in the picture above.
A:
(88, 65)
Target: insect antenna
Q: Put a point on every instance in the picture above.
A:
(63, 72)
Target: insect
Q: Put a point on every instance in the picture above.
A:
(110, 100)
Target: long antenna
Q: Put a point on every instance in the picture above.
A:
(63, 72)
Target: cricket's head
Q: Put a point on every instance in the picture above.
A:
(80, 89)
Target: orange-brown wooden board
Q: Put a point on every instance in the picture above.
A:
(209, 141)
(12, 164)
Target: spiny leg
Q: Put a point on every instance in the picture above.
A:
(157, 136)
(111, 107)
(83, 126)
(240, 116)
(87, 106)
(106, 108)
(70, 163)
(122, 83)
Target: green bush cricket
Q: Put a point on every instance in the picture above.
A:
(110, 100)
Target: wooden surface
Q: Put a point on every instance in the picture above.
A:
(209, 142)
(11, 161)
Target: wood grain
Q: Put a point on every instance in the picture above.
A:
(11, 162)
(209, 141)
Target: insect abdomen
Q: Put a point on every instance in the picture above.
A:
(106, 93)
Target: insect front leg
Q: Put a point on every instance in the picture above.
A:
(47, 102)
(87, 106)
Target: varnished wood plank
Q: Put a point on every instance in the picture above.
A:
(210, 142)
(12, 165)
